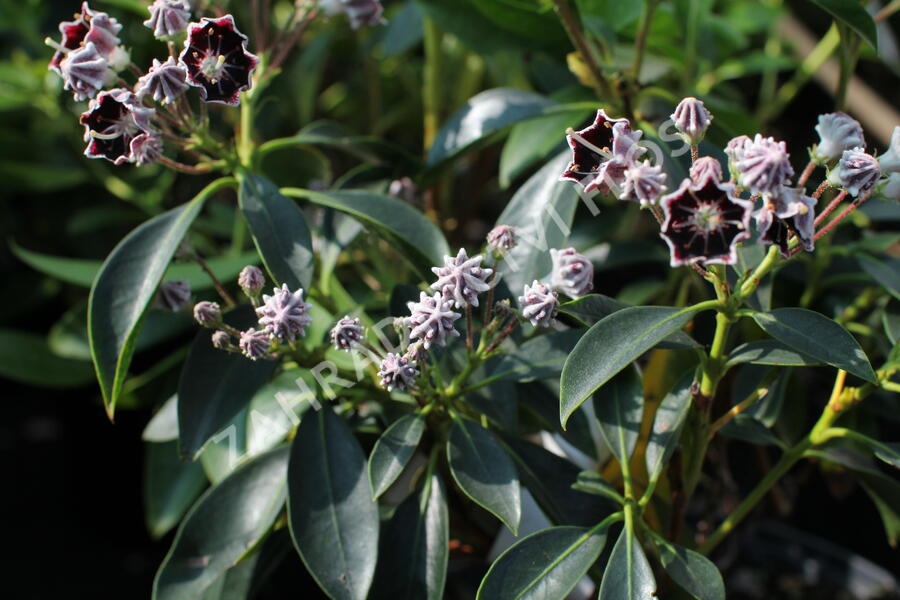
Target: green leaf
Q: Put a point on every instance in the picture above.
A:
(546, 564)
(529, 19)
(886, 273)
(817, 336)
(748, 429)
(591, 482)
(854, 15)
(215, 385)
(333, 520)
(392, 451)
(163, 426)
(27, 358)
(692, 571)
(279, 231)
(277, 407)
(531, 141)
(601, 16)
(542, 211)
(667, 424)
(610, 345)
(769, 352)
(419, 240)
(539, 358)
(413, 561)
(619, 407)
(484, 115)
(484, 471)
(889, 452)
(628, 575)
(125, 287)
(170, 486)
(226, 522)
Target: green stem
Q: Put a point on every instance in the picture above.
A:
(432, 75)
(712, 370)
(849, 54)
(640, 41)
(576, 36)
(769, 262)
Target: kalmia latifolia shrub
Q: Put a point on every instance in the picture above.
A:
(398, 409)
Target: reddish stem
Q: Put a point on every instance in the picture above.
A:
(822, 187)
(183, 168)
(830, 208)
(804, 176)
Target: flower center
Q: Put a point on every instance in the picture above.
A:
(213, 66)
(707, 218)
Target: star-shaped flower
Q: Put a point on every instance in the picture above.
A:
(113, 120)
(704, 221)
(397, 372)
(347, 333)
(644, 182)
(601, 153)
(764, 165)
(168, 17)
(216, 57)
(89, 26)
(785, 213)
(164, 82)
(573, 273)
(857, 172)
(461, 279)
(431, 320)
(539, 304)
(284, 315)
(255, 344)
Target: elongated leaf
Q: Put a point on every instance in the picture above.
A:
(770, 352)
(628, 575)
(215, 385)
(692, 571)
(170, 486)
(539, 358)
(392, 451)
(854, 15)
(224, 524)
(333, 521)
(279, 231)
(886, 273)
(483, 115)
(590, 482)
(546, 564)
(886, 451)
(610, 345)
(419, 240)
(602, 17)
(670, 416)
(620, 408)
(542, 211)
(744, 427)
(484, 471)
(163, 426)
(817, 336)
(125, 287)
(27, 358)
(413, 561)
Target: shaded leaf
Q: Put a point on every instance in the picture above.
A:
(667, 424)
(392, 451)
(770, 352)
(628, 575)
(541, 357)
(692, 571)
(591, 482)
(170, 486)
(27, 358)
(886, 273)
(854, 15)
(619, 407)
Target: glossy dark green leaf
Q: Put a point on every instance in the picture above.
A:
(541, 357)
(542, 211)
(886, 451)
(499, 402)
(529, 19)
(418, 239)
(590, 482)
(482, 116)
(890, 319)
(163, 426)
(667, 424)
(125, 287)
(603, 16)
(413, 561)
(817, 336)
(277, 407)
(170, 486)
(628, 575)
(27, 358)
(854, 15)
(392, 451)
(546, 564)
(885, 272)
(484, 471)
(279, 231)
(610, 345)
(224, 524)
(770, 352)
(747, 429)
(215, 385)
(475, 30)
(619, 407)
(692, 571)
(333, 520)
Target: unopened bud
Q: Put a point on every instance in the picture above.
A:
(208, 314)
(251, 280)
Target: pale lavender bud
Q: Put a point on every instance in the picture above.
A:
(692, 119)
(164, 82)
(168, 17)
(573, 273)
(539, 304)
(254, 344)
(431, 319)
(735, 151)
(764, 165)
(644, 182)
(706, 166)
(837, 132)
(251, 280)
(347, 333)
(461, 279)
(146, 148)
(501, 239)
(890, 160)
(221, 340)
(84, 71)
(208, 314)
(857, 172)
(284, 314)
(174, 295)
(397, 372)
(359, 12)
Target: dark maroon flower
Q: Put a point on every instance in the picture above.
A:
(789, 212)
(704, 222)
(88, 26)
(593, 148)
(216, 57)
(113, 120)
